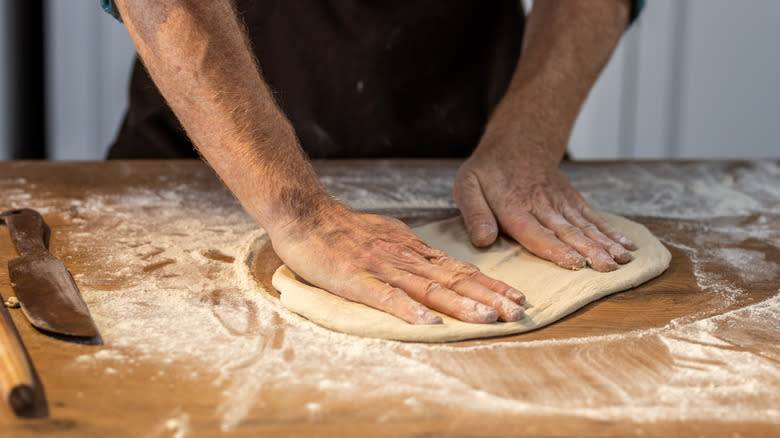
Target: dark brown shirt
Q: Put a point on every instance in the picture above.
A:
(361, 78)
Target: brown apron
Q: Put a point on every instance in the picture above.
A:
(361, 78)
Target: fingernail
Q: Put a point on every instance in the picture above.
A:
(483, 314)
(577, 263)
(483, 234)
(609, 264)
(602, 263)
(429, 318)
(516, 296)
(627, 243)
(620, 255)
(514, 314)
(424, 315)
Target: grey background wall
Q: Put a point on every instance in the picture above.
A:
(691, 79)
(89, 60)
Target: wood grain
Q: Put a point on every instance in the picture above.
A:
(555, 367)
(17, 384)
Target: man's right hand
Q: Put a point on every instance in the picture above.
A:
(378, 261)
(200, 61)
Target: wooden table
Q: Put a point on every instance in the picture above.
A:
(192, 348)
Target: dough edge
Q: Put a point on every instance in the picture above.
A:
(335, 313)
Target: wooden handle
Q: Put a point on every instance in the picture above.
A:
(17, 384)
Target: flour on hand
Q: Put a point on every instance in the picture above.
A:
(551, 291)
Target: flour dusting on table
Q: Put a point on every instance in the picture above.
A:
(168, 285)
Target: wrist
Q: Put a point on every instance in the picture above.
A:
(299, 212)
(530, 122)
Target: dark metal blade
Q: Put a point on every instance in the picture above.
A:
(49, 296)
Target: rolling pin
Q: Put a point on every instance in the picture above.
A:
(17, 384)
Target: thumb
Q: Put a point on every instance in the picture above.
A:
(480, 221)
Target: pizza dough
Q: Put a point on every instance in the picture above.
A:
(551, 292)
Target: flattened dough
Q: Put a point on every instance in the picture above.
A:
(551, 292)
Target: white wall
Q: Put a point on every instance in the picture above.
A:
(691, 79)
(731, 78)
(630, 112)
(89, 55)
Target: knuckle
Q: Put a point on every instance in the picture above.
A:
(445, 261)
(416, 244)
(498, 286)
(373, 262)
(436, 259)
(588, 212)
(458, 279)
(500, 302)
(389, 295)
(436, 253)
(594, 248)
(522, 220)
(457, 265)
(540, 198)
(570, 232)
(570, 212)
(401, 253)
(589, 228)
(539, 236)
(468, 269)
(423, 248)
(478, 217)
(431, 288)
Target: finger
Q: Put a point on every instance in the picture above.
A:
(497, 286)
(608, 229)
(596, 256)
(463, 283)
(435, 296)
(542, 242)
(438, 257)
(379, 295)
(479, 219)
(615, 250)
(427, 252)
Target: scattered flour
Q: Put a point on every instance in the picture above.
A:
(167, 285)
(422, 187)
(177, 425)
(753, 265)
(657, 190)
(315, 412)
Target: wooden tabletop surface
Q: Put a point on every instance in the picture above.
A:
(193, 348)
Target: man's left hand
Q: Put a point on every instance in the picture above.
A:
(521, 191)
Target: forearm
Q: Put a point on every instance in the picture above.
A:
(200, 61)
(197, 54)
(566, 45)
